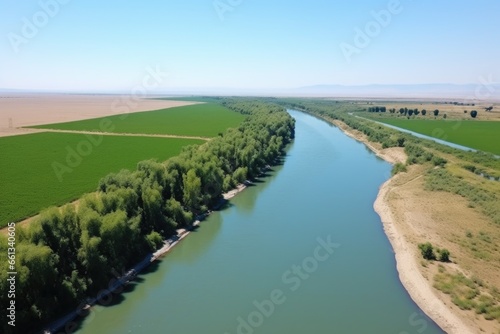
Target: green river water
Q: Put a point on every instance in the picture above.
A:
(300, 252)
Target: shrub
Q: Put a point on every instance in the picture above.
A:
(470, 168)
(416, 154)
(154, 240)
(427, 251)
(401, 142)
(438, 161)
(398, 168)
(444, 255)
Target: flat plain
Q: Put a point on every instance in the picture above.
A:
(21, 110)
(480, 135)
(47, 169)
(206, 120)
(52, 168)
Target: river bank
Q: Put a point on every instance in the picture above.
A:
(254, 248)
(402, 236)
(116, 287)
(182, 233)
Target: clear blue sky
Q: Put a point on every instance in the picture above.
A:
(107, 45)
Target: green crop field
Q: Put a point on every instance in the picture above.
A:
(45, 169)
(480, 135)
(205, 120)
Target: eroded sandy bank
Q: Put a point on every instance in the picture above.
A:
(399, 233)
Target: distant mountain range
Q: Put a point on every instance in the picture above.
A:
(465, 91)
(459, 92)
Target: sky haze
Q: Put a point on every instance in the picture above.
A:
(74, 45)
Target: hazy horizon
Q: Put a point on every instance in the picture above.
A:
(467, 93)
(245, 46)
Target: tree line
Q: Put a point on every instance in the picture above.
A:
(412, 112)
(403, 111)
(378, 109)
(69, 254)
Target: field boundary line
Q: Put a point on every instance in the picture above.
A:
(124, 134)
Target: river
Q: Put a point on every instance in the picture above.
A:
(302, 251)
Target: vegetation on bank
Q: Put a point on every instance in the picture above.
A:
(472, 175)
(452, 125)
(487, 200)
(398, 168)
(469, 293)
(480, 135)
(205, 120)
(420, 151)
(71, 253)
(427, 251)
(46, 169)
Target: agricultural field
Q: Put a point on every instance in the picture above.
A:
(46, 169)
(204, 120)
(24, 110)
(480, 135)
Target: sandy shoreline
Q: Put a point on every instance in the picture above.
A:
(408, 268)
(406, 255)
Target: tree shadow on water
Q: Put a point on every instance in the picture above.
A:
(223, 205)
(152, 268)
(110, 299)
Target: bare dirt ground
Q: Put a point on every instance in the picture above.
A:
(19, 110)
